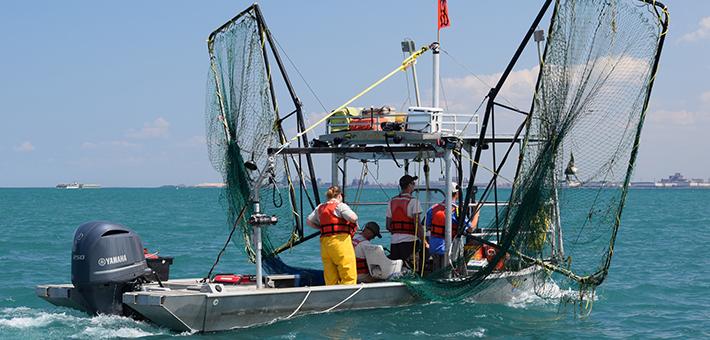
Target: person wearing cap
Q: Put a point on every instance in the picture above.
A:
(435, 222)
(360, 242)
(337, 224)
(403, 213)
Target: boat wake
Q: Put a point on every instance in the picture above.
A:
(23, 321)
(545, 294)
(477, 332)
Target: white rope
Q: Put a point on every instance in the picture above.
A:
(299, 306)
(346, 299)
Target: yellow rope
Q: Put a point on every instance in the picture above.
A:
(416, 233)
(405, 64)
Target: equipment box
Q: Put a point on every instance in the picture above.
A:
(161, 266)
(282, 281)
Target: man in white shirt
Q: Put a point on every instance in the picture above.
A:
(360, 243)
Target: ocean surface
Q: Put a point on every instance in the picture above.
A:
(658, 287)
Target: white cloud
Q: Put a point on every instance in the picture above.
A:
(26, 146)
(464, 94)
(680, 117)
(155, 129)
(702, 32)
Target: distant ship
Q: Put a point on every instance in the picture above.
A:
(77, 185)
(678, 181)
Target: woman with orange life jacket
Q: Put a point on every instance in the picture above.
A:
(369, 231)
(403, 213)
(337, 224)
(435, 222)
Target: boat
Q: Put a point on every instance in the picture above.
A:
(524, 240)
(73, 185)
(77, 185)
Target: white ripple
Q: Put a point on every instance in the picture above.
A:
(40, 319)
(97, 327)
(106, 333)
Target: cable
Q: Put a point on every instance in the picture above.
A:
(299, 306)
(299, 74)
(219, 256)
(362, 285)
(477, 77)
(404, 65)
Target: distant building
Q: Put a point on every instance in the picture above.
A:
(643, 184)
(678, 181)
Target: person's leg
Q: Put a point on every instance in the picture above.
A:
(438, 262)
(330, 271)
(400, 251)
(343, 255)
(394, 251)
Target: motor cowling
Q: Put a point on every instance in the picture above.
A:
(107, 260)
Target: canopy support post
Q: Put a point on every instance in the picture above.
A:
(447, 204)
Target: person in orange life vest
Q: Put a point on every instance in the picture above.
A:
(337, 223)
(435, 220)
(369, 231)
(403, 213)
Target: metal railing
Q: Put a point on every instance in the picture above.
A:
(446, 124)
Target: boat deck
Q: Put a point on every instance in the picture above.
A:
(189, 305)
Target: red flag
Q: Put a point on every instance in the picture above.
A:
(443, 14)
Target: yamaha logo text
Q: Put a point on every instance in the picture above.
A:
(112, 260)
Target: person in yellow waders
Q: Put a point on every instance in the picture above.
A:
(337, 223)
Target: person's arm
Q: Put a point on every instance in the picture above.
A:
(455, 222)
(312, 220)
(429, 214)
(474, 221)
(416, 212)
(421, 230)
(347, 213)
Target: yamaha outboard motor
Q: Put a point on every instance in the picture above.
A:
(107, 260)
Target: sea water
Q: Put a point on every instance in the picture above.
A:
(658, 287)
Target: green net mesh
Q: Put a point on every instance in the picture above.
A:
(579, 149)
(242, 122)
(578, 152)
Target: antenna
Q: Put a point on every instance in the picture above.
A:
(408, 47)
(539, 37)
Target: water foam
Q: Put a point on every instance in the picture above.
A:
(19, 319)
(102, 326)
(114, 326)
(105, 333)
(548, 293)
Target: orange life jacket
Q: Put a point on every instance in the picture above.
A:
(331, 224)
(400, 222)
(438, 221)
(360, 262)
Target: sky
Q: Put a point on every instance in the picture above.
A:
(114, 92)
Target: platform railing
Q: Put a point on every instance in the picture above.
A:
(447, 124)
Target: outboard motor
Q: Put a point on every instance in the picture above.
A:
(107, 260)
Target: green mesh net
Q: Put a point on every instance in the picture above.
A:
(242, 122)
(579, 148)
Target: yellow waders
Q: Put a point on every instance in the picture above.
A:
(338, 255)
